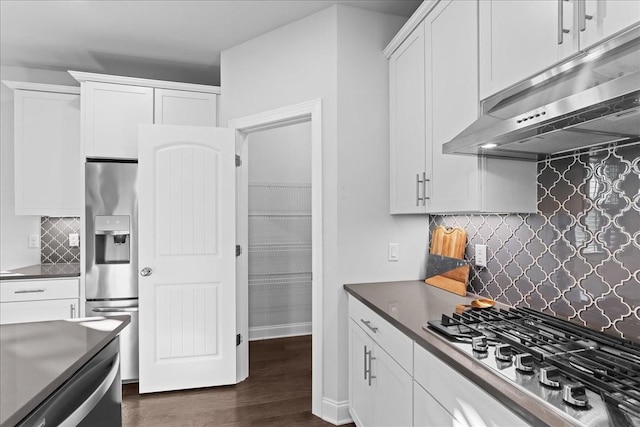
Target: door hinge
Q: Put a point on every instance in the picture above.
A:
(238, 161)
(238, 250)
(238, 339)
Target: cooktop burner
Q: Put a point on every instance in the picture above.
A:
(591, 377)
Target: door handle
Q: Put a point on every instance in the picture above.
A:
(146, 272)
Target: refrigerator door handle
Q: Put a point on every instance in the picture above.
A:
(114, 309)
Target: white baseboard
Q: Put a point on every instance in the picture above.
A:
(336, 413)
(279, 331)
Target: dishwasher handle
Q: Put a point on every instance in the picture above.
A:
(87, 406)
(114, 309)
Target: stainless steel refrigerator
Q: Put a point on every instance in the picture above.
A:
(111, 281)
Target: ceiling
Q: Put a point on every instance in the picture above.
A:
(166, 39)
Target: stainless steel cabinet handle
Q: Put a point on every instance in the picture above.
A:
(582, 15)
(365, 362)
(367, 323)
(367, 371)
(28, 291)
(561, 30)
(424, 188)
(146, 272)
(72, 311)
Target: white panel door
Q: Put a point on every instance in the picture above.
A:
(186, 221)
(179, 107)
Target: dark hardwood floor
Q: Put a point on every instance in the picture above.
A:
(277, 393)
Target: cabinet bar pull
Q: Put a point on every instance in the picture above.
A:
(424, 189)
(365, 362)
(561, 30)
(28, 291)
(367, 323)
(370, 376)
(583, 17)
(72, 309)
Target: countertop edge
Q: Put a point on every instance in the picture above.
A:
(43, 271)
(466, 366)
(28, 407)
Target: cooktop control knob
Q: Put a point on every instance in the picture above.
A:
(524, 362)
(503, 352)
(479, 343)
(549, 376)
(575, 394)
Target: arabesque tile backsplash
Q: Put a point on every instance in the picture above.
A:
(579, 256)
(54, 240)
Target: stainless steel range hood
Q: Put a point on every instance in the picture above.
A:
(589, 100)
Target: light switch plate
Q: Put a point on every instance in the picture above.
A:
(74, 240)
(394, 252)
(481, 255)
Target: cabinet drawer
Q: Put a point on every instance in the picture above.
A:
(398, 345)
(38, 311)
(34, 290)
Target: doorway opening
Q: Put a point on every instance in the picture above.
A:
(310, 113)
(279, 248)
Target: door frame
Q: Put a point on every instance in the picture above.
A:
(244, 126)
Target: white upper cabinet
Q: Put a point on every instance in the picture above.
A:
(602, 18)
(177, 107)
(48, 168)
(433, 97)
(112, 113)
(114, 106)
(519, 39)
(407, 124)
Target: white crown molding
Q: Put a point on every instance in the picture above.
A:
(41, 87)
(82, 76)
(418, 16)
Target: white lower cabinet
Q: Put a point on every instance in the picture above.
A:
(380, 381)
(38, 300)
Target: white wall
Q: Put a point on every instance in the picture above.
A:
(14, 230)
(365, 227)
(336, 55)
(281, 154)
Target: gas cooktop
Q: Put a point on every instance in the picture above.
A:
(590, 377)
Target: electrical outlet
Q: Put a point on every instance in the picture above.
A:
(34, 241)
(481, 255)
(394, 252)
(74, 240)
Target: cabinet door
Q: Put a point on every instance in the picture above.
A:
(427, 412)
(452, 103)
(360, 386)
(407, 124)
(48, 167)
(38, 311)
(112, 114)
(521, 38)
(393, 388)
(603, 18)
(175, 107)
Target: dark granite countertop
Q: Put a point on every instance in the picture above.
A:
(415, 303)
(42, 271)
(36, 358)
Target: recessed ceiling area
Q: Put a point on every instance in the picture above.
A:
(166, 40)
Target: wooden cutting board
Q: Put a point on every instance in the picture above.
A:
(450, 242)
